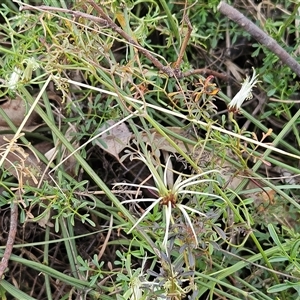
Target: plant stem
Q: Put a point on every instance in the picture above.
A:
(259, 35)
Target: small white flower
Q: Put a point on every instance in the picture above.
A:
(14, 78)
(245, 93)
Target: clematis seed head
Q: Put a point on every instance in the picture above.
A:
(245, 93)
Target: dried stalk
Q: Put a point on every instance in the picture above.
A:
(10, 240)
(185, 42)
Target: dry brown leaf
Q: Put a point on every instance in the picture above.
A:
(21, 163)
(114, 140)
(16, 110)
(199, 155)
(160, 142)
(27, 169)
(43, 147)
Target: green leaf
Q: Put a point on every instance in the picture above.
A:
(272, 92)
(284, 286)
(278, 259)
(13, 291)
(295, 250)
(274, 235)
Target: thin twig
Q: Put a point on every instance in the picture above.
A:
(221, 76)
(10, 240)
(185, 42)
(104, 245)
(78, 14)
(259, 35)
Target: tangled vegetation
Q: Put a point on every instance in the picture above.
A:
(149, 150)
